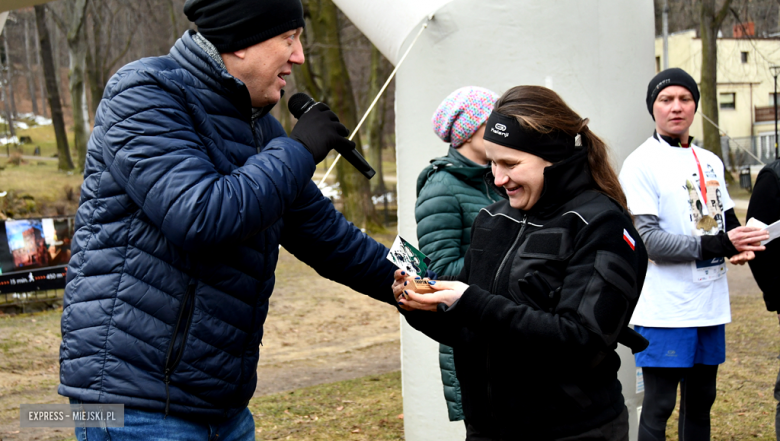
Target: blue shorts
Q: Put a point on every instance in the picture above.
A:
(682, 347)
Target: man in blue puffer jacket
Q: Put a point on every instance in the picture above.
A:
(190, 188)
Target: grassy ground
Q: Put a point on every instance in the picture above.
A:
(745, 407)
(36, 187)
(43, 136)
(368, 408)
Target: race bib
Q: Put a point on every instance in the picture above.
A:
(710, 269)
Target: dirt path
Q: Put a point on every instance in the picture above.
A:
(317, 332)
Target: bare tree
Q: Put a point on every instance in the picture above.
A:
(99, 60)
(327, 78)
(50, 73)
(28, 66)
(9, 118)
(8, 68)
(74, 26)
(41, 76)
(711, 20)
(376, 121)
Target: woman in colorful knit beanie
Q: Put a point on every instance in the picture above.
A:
(450, 193)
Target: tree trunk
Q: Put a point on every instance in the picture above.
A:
(375, 122)
(9, 74)
(28, 66)
(174, 24)
(57, 57)
(7, 106)
(77, 51)
(710, 24)
(41, 76)
(98, 65)
(50, 73)
(337, 93)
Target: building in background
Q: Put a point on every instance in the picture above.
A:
(745, 88)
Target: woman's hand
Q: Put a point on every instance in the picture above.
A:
(748, 239)
(446, 292)
(742, 258)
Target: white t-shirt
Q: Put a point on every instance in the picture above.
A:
(663, 181)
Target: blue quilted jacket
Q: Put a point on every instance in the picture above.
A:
(185, 201)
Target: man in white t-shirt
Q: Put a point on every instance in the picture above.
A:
(683, 212)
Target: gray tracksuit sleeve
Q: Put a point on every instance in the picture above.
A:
(666, 247)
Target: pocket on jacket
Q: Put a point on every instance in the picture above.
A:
(548, 244)
(180, 331)
(609, 296)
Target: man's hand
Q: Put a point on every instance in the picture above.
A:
(748, 238)
(402, 280)
(320, 131)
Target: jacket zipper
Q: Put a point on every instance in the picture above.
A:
(187, 308)
(506, 256)
(493, 290)
(256, 134)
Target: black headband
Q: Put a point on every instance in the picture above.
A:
(507, 131)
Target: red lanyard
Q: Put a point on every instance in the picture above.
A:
(702, 184)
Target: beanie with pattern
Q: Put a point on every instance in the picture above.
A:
(462, 113)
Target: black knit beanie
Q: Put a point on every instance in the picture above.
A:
(670, 77)
(231, 25)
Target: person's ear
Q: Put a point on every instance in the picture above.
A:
(241, 54)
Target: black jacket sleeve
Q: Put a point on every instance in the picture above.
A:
(720, 245)
(765, 206)
(441, 325)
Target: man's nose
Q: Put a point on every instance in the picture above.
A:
(297, 56)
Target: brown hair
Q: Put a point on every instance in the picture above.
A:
(543, 111)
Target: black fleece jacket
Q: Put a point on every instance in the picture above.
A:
(535, 334)
(765, 206)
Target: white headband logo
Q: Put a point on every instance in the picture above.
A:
(500, 129)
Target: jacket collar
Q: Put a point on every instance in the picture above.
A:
(673, 142)
(457, 165)
(563, 181)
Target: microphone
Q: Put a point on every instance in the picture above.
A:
(301, 103)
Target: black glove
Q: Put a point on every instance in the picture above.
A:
(320, 131)
(718, 245)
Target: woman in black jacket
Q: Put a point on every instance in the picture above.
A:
(548, 285)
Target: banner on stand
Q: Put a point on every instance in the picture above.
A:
(34, 253)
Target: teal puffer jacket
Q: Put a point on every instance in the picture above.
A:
(450, 193)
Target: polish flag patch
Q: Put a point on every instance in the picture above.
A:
(629, 240)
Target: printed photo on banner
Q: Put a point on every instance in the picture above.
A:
(26, 242)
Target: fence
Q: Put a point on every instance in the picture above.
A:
(762, 146)
(24, 301)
